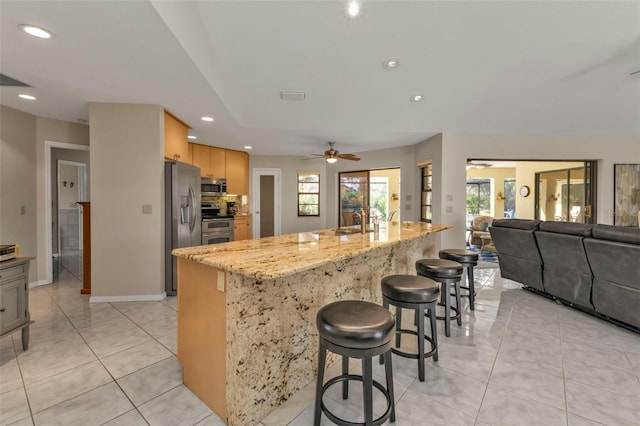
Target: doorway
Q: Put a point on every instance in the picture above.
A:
(52, 153)
(266, 202)
(565, 194)
(375, 191)
(70, 188)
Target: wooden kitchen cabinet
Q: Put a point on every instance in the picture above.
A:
(241, 228)
(237, 172)
(210, 159)
(14, 298)
(176, 145)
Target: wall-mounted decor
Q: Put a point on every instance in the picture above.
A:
(626, 194)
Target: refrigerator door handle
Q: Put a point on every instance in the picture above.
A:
(192, 202)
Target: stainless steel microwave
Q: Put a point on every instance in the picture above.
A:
(213, 187)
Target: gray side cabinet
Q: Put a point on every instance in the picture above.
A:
(14, 298)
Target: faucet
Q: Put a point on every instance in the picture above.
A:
(363, 222)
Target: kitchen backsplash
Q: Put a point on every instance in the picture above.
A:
(238, 199)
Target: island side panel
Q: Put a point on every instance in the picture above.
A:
(202, 333)
(272, 340)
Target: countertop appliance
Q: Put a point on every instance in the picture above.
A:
(7, 252)
(232, 209)
(216, 228)
(182, 215)
(213, 187)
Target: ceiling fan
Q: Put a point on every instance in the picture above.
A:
(332, 155)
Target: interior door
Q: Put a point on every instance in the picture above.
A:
(266, 194)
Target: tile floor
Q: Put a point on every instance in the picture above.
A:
(519, 359)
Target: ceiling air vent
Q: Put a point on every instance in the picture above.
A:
(292, 96)
(8, 81)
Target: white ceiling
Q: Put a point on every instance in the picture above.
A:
(484, 67)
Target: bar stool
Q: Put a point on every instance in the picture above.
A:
(448, 273)
(355, 329)
(468, 259)
(416, 293)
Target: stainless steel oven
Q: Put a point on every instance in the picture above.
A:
(217, 230)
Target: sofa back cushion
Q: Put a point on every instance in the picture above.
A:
(566, 270)
(518, 254)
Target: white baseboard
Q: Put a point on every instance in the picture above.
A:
(38, 283)
(132, 298)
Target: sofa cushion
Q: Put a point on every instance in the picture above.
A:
(579, 229)
(617, 233)
(526, 224)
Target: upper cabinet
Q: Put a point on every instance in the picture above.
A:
(176, 146)
(210, 159)
(237, 172)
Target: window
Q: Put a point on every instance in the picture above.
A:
(509, 198)
(479, 197)
(308, 194)
(426, 201)
(379, 194)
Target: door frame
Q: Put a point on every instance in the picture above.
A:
(47, 200)
(277, 197)
(82, 194)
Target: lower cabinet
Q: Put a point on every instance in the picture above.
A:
(242, 228)
(14, 298)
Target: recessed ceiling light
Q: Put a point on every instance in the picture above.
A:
(27, 97)
(391, 64)
(207, 118)
(416, 98)
(353, 9)
(192, 137)
(36, 31)
(248, 147)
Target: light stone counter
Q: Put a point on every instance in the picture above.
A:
(246, 310)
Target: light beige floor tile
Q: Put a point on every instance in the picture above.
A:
(602, 406)
(575, 420)
(616, 380)
(503, 408)
(471, 361)
(528, 383)
(594, 354)
(66, 385)
(212, 420)
(35, 369)
(27, 421)
(107, 344)
(10, 377)
(161, 326)
(13, 406)
(177, 407)
(92, 408)
(152, 381)
(416, 409)
(306, 417)
(170, 341)
(133, 359)
(131, 418)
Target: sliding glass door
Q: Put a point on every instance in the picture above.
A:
(566, 195)
(374, 191)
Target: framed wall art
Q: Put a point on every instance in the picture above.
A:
(626, 194)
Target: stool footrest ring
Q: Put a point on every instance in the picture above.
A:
(432, 352)
(342, 422)
(453, 308)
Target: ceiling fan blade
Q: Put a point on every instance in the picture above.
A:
(348, 157)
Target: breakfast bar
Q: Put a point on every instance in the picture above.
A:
(246, 310)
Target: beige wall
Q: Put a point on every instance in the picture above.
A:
(127, 171)
(18, 182)
(457, 148)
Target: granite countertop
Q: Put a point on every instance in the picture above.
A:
(275, 257)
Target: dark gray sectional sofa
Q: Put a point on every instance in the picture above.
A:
(592, 267)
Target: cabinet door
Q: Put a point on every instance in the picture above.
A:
(202, 159)
(12, 304)
(217, 158)
(241, 228)
(175, 138)
(237, 172)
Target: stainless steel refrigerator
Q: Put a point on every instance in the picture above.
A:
(182, 215)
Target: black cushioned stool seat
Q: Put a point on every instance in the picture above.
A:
(468, 259)
(355, 329)
(448, 273)
(417, 293)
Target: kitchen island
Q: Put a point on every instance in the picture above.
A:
(247, 338)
